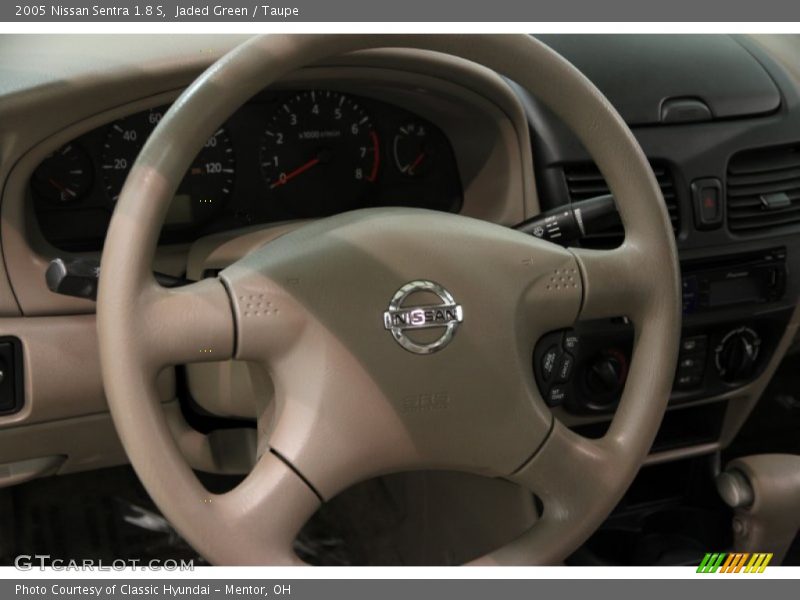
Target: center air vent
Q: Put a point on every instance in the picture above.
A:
(764, 189)
(585, 181)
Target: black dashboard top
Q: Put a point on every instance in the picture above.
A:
(640, 73)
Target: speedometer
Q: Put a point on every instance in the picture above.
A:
(204, 189)
(320, 153)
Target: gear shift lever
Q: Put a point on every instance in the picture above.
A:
(764, 490)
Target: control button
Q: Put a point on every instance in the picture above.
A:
(571, 341)
(695, 344)
(690, 363)
(775, 201)
(549, 362)
(684, 110)
(688, 381)
(606, 374)
(689, 289)
(707, 198)
(557, 395)
(735, 489)
(565, 367)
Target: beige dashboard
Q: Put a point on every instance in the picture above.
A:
(56, 88)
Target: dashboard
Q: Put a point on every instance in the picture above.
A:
(380, 128)
(286, 155)
(717, 116)
(396, 128)
(724, 153)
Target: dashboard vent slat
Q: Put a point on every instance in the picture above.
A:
(737, 190)
(755, 179)
(755, 214)
(585, 181)
(756, 173)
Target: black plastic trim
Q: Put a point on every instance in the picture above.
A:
(18, 374)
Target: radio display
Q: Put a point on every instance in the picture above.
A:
(756, 277)
(734, 291)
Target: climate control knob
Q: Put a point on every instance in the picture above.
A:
(737, 354)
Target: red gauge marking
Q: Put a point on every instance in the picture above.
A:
(376, 152)
(623, 363)
(60, 187)
(416, 163)
(284, 179)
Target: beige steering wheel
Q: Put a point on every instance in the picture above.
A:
(352, 403)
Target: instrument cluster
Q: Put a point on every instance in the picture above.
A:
(284, 155)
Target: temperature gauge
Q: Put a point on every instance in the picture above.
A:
(64, 176)
(413, 154)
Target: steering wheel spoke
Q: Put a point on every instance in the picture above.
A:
(263, 514)
(566, 494)
(189, 324)
(578, 480)
(612, 282)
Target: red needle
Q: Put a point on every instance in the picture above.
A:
(285, 178)
(61, 188)
(416, 163)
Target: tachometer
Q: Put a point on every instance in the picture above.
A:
(320, 153)
(207, 184)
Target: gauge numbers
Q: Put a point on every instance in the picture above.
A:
(207, 184)
(320, 153)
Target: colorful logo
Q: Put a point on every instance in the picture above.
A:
(734, 563)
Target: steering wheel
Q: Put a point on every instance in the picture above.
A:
(314, 306)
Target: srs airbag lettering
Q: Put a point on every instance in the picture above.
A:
(425, 402)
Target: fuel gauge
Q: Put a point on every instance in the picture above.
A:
(65, 176)
(413, 153)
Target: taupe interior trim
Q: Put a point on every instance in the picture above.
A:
(62, 369)
(432, 83)
(468, 94)
(771, 521)
(340, 413)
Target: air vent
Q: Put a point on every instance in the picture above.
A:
(585, 181)
(764, 189)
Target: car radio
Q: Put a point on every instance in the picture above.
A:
(742, 279)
